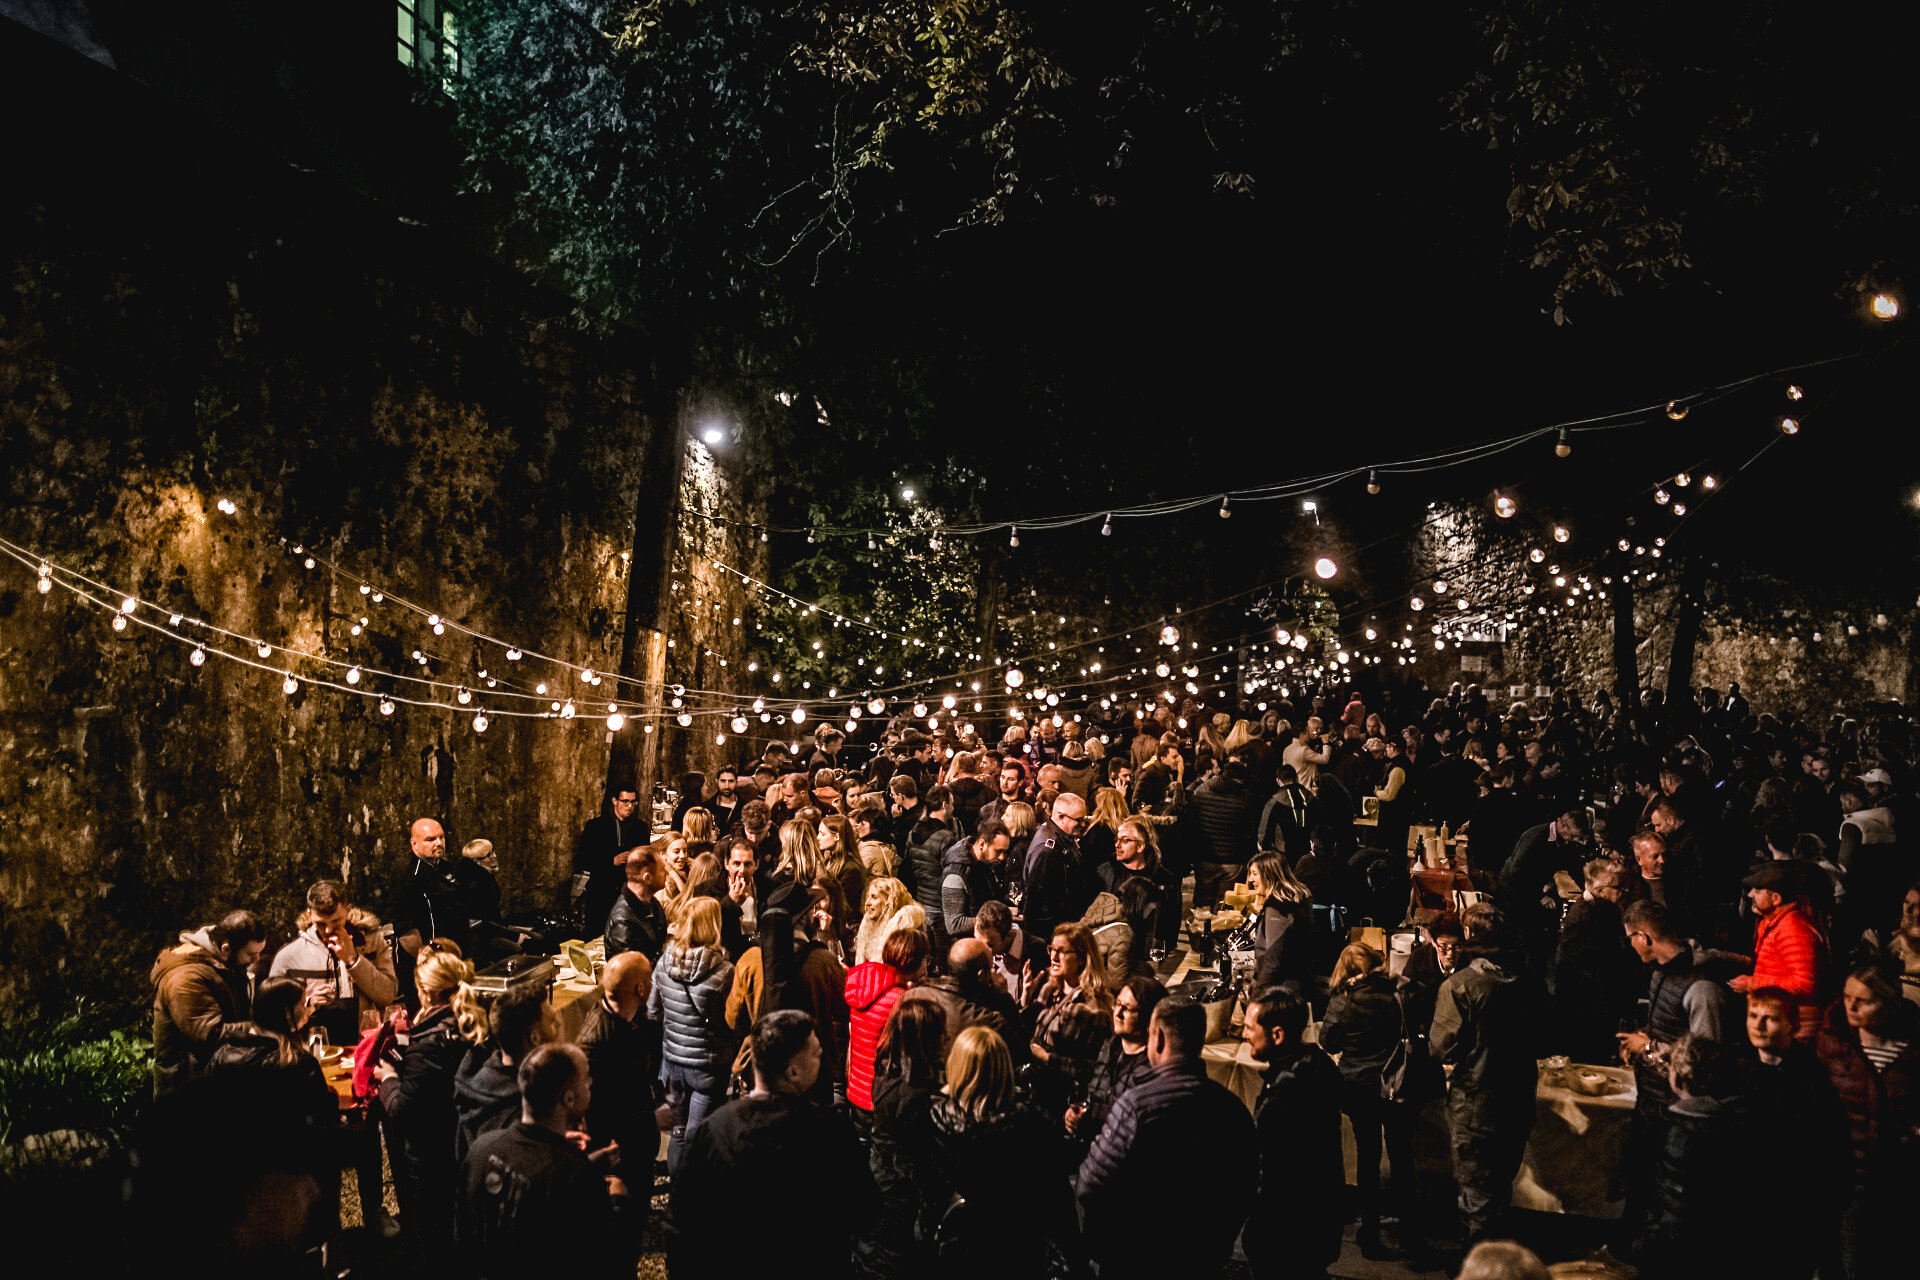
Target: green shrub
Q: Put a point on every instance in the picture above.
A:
(75, 1074)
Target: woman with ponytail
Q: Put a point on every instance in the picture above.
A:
(418, 1098)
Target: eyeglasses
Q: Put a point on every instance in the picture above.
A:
(1061, 951)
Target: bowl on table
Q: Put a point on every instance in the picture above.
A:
(328, 1055)
(1590, 1081)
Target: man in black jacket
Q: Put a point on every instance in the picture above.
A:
(1228, 813)
(1052, 873)
(528, 1186)
(798, 1164)
(637, 921)
(619, 1053)
(1294, 1228)
(601, 852)
(1173, 1117)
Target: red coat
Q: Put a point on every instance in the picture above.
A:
(872, 991)
(1787, 951)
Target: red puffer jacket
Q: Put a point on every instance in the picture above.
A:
(872, 991)
(1787, 953)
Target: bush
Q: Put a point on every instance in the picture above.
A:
(74, 1075)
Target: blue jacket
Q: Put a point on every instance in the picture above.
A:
(689, 1001)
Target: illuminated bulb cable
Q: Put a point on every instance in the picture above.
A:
(480, 722)
(1013, 539)
(616, 721)
(1106, 527)
(1373, 481)
(386, 706)
(1790, 426)
(119, 622)
(290, 686)
(1563, 446)
(199, 655)
(1676, 410)
(266, 650)
(353, 675)
(1225, 511)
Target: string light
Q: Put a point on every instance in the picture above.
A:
(199, 655)
(799, 715)
(1561, 533)
(1504, 506)
(1373, 480)
(290, 686)
(1563, 446)
(616, 722)
(119, 622)
(386, 706)
(1537, 555)
(1013, 539)
(1884, 306)
(1790, 426)
(1676, 410)
(1325, 568)
(1225, 512)
(1796, 393)
(1106, 527)
(480, 722)
(353, 675)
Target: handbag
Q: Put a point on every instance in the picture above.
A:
(1410, 1075)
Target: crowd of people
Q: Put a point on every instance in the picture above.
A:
(902, 1006)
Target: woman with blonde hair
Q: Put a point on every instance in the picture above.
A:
(1070, 1017)
(1283, 923)
(840, 862)
(1021, 823)
(800, 857)
(689, 1004)
(1102, 824)
(987, 1221)
(889, 906)
(1364, 1025)
(418, 1097)
(1242, 734)
(697, 826)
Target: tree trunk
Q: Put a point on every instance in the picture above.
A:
(1626, 655)
(1686, 637)
(633, 754)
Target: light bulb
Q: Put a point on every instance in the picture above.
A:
(353, 675)
(1661, 496)
(1624, 544)
(1561, 533)
(480, 723)
(1795, 393)
(1440, 587)
(365, 588)
(1536, 555)
(199, 655)
(1225, 511)
(763, 535)
(1679, 508)
(876, 705)
(949, 702)
(386, 706)
(46, 585)
(308, 562)
(1013, 539)
(1885, 306)
(1372, 634)
(266, 650)
(513, 655)
(290, 685)
(567, 711)
(119, 622)
(616, 721)
(1790, 426)
(852, 725)
(1106, 527)
(1325, 568)
(919, 711)
(1676, 410)
(1015, 678)
(1708, 482)
(1416, 604)
(739, 724)
(1163, 671)
(378, 597)
(463, 697)
(586, 676)
(1683, 480)
(439, 629)
(1563, 446)
(1373, 481)
(1169, 635)
(539, 688)
(799, 715)
(128, 605)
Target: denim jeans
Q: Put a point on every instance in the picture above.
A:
(693, 1094)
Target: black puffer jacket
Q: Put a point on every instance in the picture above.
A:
(1283, 944)
(925, 866)
(1700, 1222)
(419, 1107)
(986, 1206)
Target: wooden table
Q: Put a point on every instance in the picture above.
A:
(1577, 1146)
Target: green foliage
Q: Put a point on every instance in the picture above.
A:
(73, 1074)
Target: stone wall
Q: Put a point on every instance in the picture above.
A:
(180, 327)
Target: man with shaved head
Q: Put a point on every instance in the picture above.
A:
(967, 995)
(439, 898)
(620, 1052)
